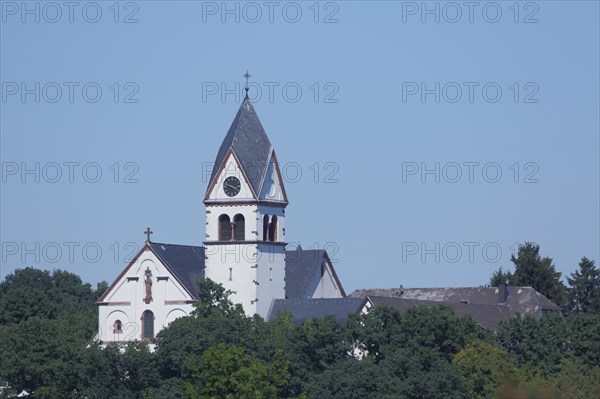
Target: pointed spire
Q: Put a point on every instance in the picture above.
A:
(249, 142)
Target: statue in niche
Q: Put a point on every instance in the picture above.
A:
(148, 282)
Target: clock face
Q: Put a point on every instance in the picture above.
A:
(232, 186)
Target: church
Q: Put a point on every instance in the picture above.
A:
(245, 251)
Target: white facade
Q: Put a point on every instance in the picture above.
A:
(124, 301)
(326, 284)
(252, 267)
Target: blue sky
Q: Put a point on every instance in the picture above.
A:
(370, 95)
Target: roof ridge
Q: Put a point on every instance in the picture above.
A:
(176, 245)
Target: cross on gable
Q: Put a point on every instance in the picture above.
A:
(148, 232)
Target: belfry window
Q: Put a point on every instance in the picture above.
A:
(265, 227)
(273, 229)
(148, 325)
(239, 227)
(224, 228)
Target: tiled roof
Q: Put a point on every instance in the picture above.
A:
(487, 316)
(300, 265)
(523, 300)
(185, 262)
(306, 309)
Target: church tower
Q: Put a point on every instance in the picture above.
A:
(245, 216)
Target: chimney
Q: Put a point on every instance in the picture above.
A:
(502, 292)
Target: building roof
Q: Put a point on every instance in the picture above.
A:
(250, 144)
(306, 309)
(487, 316)
(523, 300)
(300, 265)
(185, 262)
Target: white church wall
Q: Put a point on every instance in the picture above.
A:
(327, 286)
(271, 276)
(247, 267)
(233, 266)
(322, 285)
(125, 301)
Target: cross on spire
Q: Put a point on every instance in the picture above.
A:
(148, 232)
(247, 76)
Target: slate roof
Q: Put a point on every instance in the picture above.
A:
(306, 309)
(523, 300)
(300, 265)
(487, 316)
(250, 144)
(185, 262)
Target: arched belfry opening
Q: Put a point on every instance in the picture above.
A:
(273, 229)
(265, 227)
(224, 228)
(239, 227)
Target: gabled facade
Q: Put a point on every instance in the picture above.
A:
(156, 287)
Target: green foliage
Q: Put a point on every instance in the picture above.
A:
(485, 367)
(31, 292)
(42, 354)
(423, 372)
(584, 291)
(537, 343)
(383, 328)
(228, 372)
(353, 379)
(214, 320)
(500, 277)
(537, 272)
(218, 352)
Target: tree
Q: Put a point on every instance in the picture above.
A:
(384, 329)
(43, 355)
(228, 372)
(584, 291)
(533, 270)
(486, 367)
(354, 379)
(31, 292)
(423, 372)
(215, 320)
(537, 343)
(500, 277)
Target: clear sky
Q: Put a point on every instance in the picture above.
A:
(429, 136)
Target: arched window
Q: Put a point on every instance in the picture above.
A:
(224, 228)
(273, 229)
(265, 227)
(239, 227)
(148, 325)
(117, 327)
